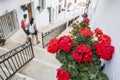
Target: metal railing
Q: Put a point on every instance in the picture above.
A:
(46, 37)
(15, 59)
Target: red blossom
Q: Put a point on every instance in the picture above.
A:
(82, 53)
(65, 43)
(98, 31)
(104, 38)
(104, 51)
(53, 46)
(85, 31)
(62, 74)
(86, 20)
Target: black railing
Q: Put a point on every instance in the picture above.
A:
(15, 59)
(47, 36)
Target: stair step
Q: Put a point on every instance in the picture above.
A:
(42, 55)
(19, 76)
(9, 44)
(38, 70)
(3, 50)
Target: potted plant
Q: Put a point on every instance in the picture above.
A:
(2, 41)
(23, 7)
(80, 53)
(84, 15)
(38, 8)
(49, 8)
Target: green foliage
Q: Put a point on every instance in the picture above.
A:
(2, 40)
(80, 70)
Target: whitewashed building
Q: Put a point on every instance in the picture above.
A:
(107, 18)
(11, 12)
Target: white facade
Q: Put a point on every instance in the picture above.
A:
(42, 18)
(7, 6)
(107, 18)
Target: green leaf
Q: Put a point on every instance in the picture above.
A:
(102, 76)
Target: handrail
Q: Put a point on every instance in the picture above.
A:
(54, 32)
(12, 61)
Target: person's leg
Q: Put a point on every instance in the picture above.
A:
(27, 34)
(32, 39)
(27, 38)
(36, 35)
(37, 39)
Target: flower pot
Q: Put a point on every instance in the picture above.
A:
(39, 9)
(49, 8)
(24, 8)
(2, 43)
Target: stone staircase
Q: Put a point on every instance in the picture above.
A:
(42, 67)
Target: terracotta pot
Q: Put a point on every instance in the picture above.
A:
(2, 43)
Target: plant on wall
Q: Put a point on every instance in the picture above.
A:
(23, 7)
(38, 8)
(80, 53)
(2, 41)
(49, 8)
(84, 15)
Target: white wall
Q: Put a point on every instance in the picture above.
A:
(107, 17)
(42, 18)
(10, 5)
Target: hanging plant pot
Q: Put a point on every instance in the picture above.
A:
(84, 15)
(49, 8)
(2, 42)
(62, 9)
(24, 8)
(38, 8)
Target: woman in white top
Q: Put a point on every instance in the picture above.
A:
(33, 30)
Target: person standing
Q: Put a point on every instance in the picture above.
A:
(33, 30)
(26, 26)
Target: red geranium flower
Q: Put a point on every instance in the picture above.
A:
(98, 31)
(53, 46)
(104, 38)
(104, 51)
(82, 53)
(85, 31)
(86, 20)
(62, 74)
(65, 43)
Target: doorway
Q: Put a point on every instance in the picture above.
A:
(29, 8)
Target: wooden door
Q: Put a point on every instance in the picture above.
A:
(29, 8)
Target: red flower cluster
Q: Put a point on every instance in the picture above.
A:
(104, 51)
(104, 38)
(98, 31)
(62, 74)
(53, 46)
(65, 43)
(82, 53)
(86, 20)
(85, 31)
